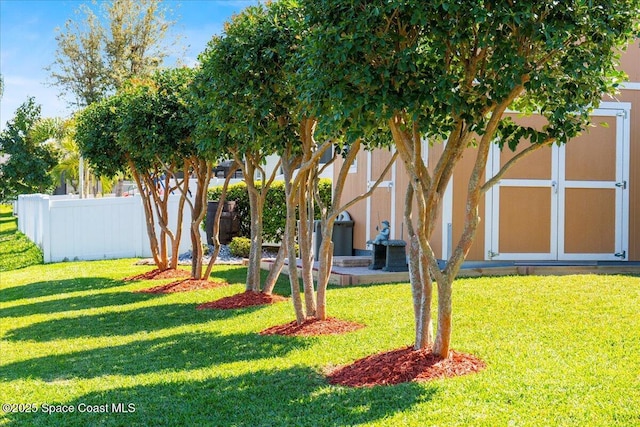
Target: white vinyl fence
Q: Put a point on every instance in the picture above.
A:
(67, 228)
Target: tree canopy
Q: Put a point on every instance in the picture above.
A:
(29, 155)
(97, 53)
(245, 76)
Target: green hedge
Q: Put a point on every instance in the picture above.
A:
(240, 247)
(275, 209)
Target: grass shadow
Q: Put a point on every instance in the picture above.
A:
(294, 396)
(75, 303)
(174, 353)
(53, 287)
(119, 323)
(237, 274)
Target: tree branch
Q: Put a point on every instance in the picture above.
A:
(494, 180)
(375, 185)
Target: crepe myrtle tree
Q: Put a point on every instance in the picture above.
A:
(448, 71)
(238, 119)
(250, 110)
(144, 129)
(157, 133)
(252, 75)
(97, 135)
(252, 103)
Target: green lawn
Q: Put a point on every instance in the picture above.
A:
(559, 350)
(16, 251)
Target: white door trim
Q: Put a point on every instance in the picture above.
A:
(621, 201)
(558, 184)
(389, 184)
(492, 243)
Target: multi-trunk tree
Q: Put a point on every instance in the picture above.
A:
(250, 108)
(156, 133)
(145, 129)
(238, 120)
(252, 74)
(448, 71)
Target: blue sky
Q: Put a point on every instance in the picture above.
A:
(27, 44)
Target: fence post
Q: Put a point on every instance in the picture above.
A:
(45, 227)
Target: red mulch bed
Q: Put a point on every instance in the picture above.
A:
(404, 365)
(159, 274)
(245, 299)
(314, 327)
(183, 286)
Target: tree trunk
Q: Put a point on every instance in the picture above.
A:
(288, 165)
(276, 268)
(160, 202)
(255, 254)
(174, 237)
(421, 283)
(422, 290)
(203, 175)
(329, 216)
(175, 246)
(421, 267)
(161, 263)
(443, 335)
(305, 243)
(255, 251)
(293, 273)
(196, 252)
(325, 263)
(216, 221)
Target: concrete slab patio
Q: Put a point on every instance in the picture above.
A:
(348, 271)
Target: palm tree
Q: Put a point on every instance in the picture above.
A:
(68, 169)
(61, 135)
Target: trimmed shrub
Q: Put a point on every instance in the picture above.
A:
(240, 247)
(275, 208)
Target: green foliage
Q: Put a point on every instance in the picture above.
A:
(240, 247)
(448, 64)
(97, 54)
(97, 137)
(245, 81)
(154, 123)
(16, 250)
(79, 324)
(275, 209)
(449, 70)
(30, 157)
(147, 123)
(68, 168)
